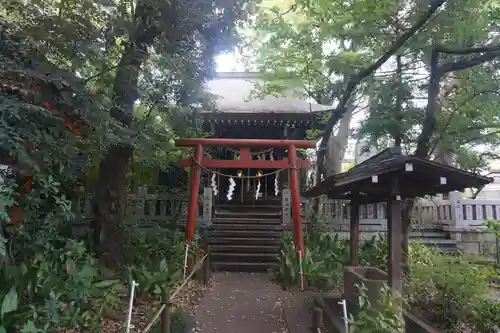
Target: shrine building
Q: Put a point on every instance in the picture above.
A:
(254, 163)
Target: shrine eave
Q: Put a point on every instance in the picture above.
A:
(250, 118)
(373, 180)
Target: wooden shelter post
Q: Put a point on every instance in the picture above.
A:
(354, 230)
(394, 227)
(294, 189)
(193, 194)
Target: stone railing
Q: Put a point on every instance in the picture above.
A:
(456, 212)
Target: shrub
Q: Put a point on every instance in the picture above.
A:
(60, 286)
(318, 271)
(156, 261)
(449, 289)
(383, 317)
(324, 258)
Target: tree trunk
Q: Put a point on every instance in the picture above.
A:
(111, 198)
(428, 128)
(111, 192)
(398, 134)
(338, 143)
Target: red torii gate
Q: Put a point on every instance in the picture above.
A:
(245, 162)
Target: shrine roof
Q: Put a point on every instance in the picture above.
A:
(231, 93)
(372, 180)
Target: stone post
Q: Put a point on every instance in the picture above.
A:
(457, 221)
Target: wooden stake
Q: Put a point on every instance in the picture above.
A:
(165, 315)
(317, 318)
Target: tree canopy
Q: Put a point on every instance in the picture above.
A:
(326, 46)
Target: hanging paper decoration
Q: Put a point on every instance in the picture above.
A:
(214, 185)
(271, 156)
(257, 192)
(276, 188)
(232, 184)
(263, 157)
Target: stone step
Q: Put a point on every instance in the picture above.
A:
(245, 233)
(435, 241)
(244, 257)
(444, 245)
(429, 234)
(230, 266)
(237, 248)
(256, 241)
(246, 226)
(248, 214)
(245, 220)
(246, 208)
(247, 201)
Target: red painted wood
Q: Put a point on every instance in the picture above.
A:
(294, 189)
(245, 143)
(241, 164)
(245, 155)
(193, 195)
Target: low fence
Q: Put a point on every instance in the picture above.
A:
(144, 209)
(457, 212)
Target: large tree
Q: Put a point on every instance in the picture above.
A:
(146, 62)
(187, 32)
(331, 55)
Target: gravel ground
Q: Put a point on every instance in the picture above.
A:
(249, 303)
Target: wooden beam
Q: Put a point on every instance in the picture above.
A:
(394, 228)
(245, 143)
(242, 164)
(354, 231)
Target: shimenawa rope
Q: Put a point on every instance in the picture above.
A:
(243, 176)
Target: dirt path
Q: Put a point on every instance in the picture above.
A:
(249, 303)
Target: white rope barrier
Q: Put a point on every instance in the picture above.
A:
(130, 306)
(186, 261)
(162, 307)
(301, 271)
(344, 311)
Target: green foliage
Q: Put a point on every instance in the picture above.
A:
(449, 289)
(325, 256)
(383, 317)
(310, 47)
(33, 296)
(157, 261)
(69, 55)
(494, 226)
(446, 289)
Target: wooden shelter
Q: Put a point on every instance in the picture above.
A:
(390, 177)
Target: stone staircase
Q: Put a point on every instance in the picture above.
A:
(245, 236)
(434, 235)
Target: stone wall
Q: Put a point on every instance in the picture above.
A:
(474, 240)
(467, 240)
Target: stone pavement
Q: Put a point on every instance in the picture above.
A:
(250, 303)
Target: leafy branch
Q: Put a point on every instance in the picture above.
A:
(437, 71)
(356, 79)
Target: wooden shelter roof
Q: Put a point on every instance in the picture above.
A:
(372, 180)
